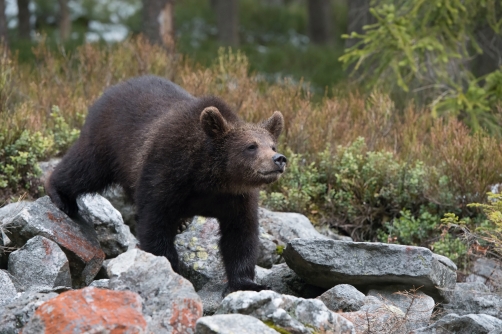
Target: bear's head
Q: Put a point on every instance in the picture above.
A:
(248, 150)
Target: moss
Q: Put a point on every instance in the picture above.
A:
(277, 328)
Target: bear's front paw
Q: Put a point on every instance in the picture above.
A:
(246, 285)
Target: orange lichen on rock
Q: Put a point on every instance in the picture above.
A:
(89, 310)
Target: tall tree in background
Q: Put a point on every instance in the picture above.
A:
(64, 20)
(227, 18)
(320, 21)
(23, 16)
(158, 22)
(359, 15)
(3, 24)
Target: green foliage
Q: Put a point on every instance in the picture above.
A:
(62, 133)
(452, 247)
(422, 48)
(409, 229)
(354, 189)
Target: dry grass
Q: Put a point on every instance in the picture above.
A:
(73, 81)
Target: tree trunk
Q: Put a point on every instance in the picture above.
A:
(64, 20)
(158, 22)
(3, 24)
(320, 21)
(227, 18)
(359, 16)
(24, 18)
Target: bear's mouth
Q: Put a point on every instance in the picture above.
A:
(272, 172)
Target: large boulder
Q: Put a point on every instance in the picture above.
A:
(40, 265)
(78, 240)
(17, 312)
(170, 303)
(89, 310)
(326, 263)
(286, 313)
(232, 324)
(114, 236)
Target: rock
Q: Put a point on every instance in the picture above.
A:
(200, 258)
(414, 303)
(114, 236)
(487, 271)
(211, 295)
(89, 310)
(78, 241)
(170, 303)
(465, 324)
(343, 297)
(7, 288)
(281, 279)
(268, 254)
(15, 314)
(286, 313)
(377, 317)
(286, 226)
(326, 263)
(47, 168)
(9, 211)
(40, 264)
(123, 204)
(101, 283)
(474, 298)
(260, 273)
(231, 324)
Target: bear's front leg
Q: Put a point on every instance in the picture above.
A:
(157, 232)
(239, 246)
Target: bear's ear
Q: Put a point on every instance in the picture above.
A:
(274, 124)
(213, 123)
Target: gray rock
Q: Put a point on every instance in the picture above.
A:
(416, 305)
(465, 324)
(123, 204)
(377, 317)
(15, 314)
(170, 303)
(114, 236)
(343, 297)
(7, 213)
(486, 271)
(326, 263)
(211, 295)
(200, 258)
(7, 288)
(40, 265)
(232, 324)
(474, 298)
(77, 240)
(286, 226)
(281, 279)
(101, 283)
(260, 273)
(287, 313)
(47, 167)
(268, 254)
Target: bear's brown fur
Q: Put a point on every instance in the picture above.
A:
(176, 156)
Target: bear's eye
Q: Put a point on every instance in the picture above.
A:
(252, 147)
(274, 149)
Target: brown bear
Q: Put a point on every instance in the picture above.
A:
(176, 156)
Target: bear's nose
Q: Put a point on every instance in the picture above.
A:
(280, 160)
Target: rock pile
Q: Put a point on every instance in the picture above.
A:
(65, 276)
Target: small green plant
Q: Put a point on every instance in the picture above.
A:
(62, 133)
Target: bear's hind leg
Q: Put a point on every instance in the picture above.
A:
(78, 173)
